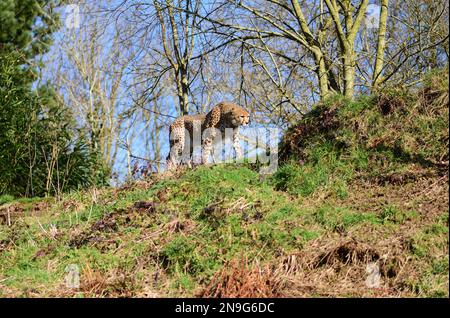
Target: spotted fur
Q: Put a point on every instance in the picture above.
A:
(223, 115)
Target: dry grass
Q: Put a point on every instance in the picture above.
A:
(183, 237)
(241, 279)
(336, 266)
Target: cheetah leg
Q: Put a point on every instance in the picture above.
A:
(207, 149)
(190, 160)
(174, 156)
(207, 144)
(176, 149)
(169, 159)
(237, 144)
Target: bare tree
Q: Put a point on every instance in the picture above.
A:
(135, 65)
(89, 68)
(178, 27)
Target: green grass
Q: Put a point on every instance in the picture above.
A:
(336, 218)
(391, 213)
(225, 212)
(6, 198)
(211, 216)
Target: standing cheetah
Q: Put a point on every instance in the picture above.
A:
(207, 126)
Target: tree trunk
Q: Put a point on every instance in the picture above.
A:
(381, 45)
(182, 90)
(349, 73)
(346, 37)
(322, 73)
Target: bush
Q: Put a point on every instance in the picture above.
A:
(41, 151)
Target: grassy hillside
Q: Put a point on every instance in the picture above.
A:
(361, 182)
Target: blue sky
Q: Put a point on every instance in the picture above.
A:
(138, 147)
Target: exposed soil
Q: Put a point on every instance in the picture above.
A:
(10, 212)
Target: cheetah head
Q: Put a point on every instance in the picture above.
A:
(238, 116)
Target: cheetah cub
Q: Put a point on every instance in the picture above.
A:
(208, 127)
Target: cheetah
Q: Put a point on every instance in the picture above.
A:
(191, 124)
(207, 127)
